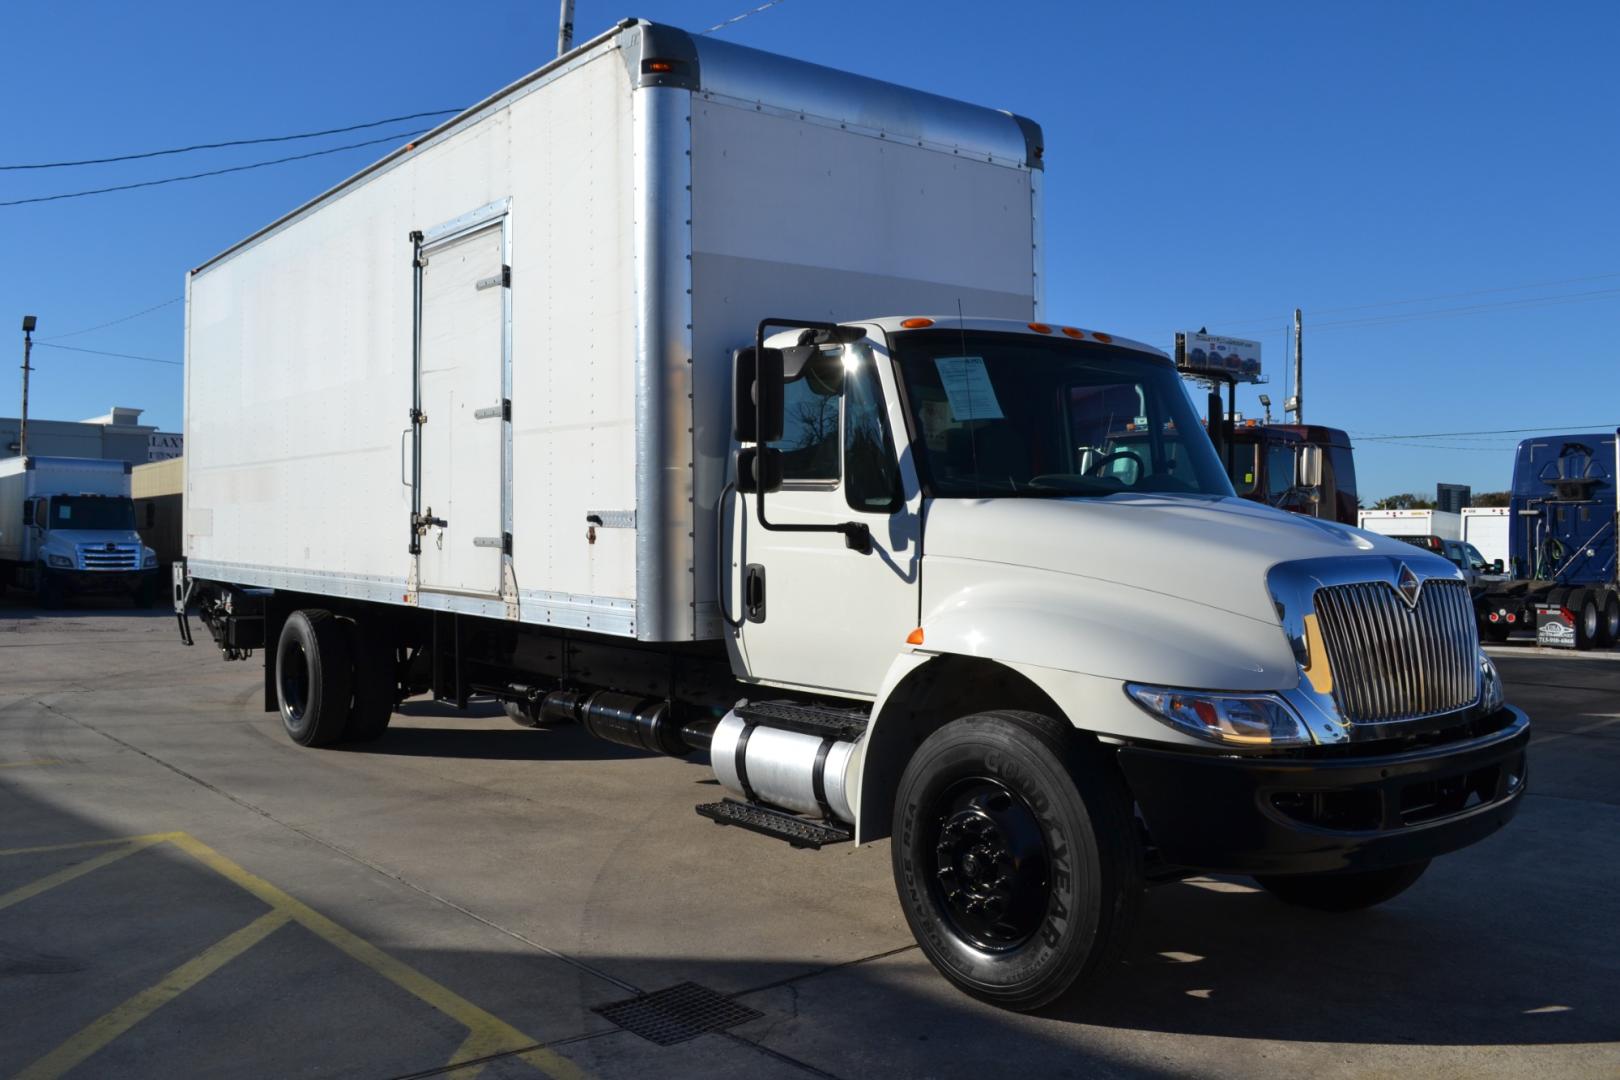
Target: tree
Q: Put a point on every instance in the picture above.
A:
(1492, 498)
(1404, 501)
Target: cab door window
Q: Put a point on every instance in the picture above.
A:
(835, 429)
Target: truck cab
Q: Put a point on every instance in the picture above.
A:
(1304, 468)
(70, 529)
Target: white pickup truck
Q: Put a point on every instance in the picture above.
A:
(67, 526)
(575, 403)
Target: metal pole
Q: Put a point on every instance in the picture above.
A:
(565, 27)
(1299, 367)
(28, 349)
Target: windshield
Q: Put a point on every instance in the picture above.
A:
(1003, 414)
(104, 512)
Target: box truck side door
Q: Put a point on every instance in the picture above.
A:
(463, 380)
(818, 614)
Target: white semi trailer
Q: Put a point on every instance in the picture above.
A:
(703, 397)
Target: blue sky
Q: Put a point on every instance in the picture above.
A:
(1434, 183)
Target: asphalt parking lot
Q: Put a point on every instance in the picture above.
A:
(185, 892)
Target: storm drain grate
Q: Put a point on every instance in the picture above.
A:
(677, 1013)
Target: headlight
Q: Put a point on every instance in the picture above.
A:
(1491, 697)
(1233, 719)
(61, 562)
(149, 560)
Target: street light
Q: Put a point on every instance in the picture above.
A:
(29, 322)
(1265, 399)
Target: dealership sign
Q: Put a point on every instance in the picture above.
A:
(163, 445)
(1210, 356)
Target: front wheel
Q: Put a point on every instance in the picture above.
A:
(1016, 857)
(1343, 891)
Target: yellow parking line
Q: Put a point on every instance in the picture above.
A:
(27, 764)
(106, 841)
(100, 1032)
(62, 877)
(487, 1034)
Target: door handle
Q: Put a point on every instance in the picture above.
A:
(754, 592)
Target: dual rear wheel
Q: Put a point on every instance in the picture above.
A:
(334, 682)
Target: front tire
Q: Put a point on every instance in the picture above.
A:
(1016, 857)
(1340, 891)
(313, 677)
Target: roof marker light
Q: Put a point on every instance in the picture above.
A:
(1102, 337)
(1072, 332)
(1040, 328)
(916, 324)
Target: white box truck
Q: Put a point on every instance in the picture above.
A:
(1486, 527)
(703, 397)
(67, 526)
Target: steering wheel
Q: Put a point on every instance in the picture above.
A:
(1109, 459)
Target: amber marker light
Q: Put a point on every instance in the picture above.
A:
(1040, 328)
(1102, 337)
(915, 637)
(1070, 331)
(916, 324)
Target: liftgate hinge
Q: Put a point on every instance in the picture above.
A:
(418, 416)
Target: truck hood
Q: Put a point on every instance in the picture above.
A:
(72, 538)
(1205, 550)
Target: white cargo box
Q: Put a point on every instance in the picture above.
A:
(1486, 527)
(593, 242)
(1441, 523)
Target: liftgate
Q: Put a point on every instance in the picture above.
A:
(461, 520)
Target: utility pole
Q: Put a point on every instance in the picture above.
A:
(1296, 404)
(29, 322)
(565, 27)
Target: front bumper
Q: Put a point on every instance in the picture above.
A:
(103, 581)
(1281, 815)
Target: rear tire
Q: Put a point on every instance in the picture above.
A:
(1016, 857)
(313, 677)
(376, 683)
(1610, 624)
(1583, 604)
(1343, 891)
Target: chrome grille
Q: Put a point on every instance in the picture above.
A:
(1394, 662)
(110, 556)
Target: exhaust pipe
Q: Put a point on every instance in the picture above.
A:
(639, 723)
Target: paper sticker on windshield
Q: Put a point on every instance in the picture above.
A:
(967, 388)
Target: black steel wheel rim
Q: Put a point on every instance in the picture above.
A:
(988, 867)
(294, 681)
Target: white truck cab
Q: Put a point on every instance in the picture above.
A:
(67, 525)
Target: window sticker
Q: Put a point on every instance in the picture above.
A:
(967, 388)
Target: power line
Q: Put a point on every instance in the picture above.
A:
(1471, 309)
(739, 18)
(229, 142)
(1371, 436)
(101, 352)
(212, 172)
(114, 322)
(1261, 320)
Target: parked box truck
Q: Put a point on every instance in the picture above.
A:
(1486, 527)
(1438, 523)
(704, 397)
(67, 526)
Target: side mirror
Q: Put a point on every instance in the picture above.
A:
(1308, 468)
(759, 468)
(757, 403)
(1496, 566)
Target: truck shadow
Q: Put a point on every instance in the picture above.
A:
(484, 732)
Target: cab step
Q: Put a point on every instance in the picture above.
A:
(821, 720)
(798, 831)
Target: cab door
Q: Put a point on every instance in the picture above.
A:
(814, 613)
